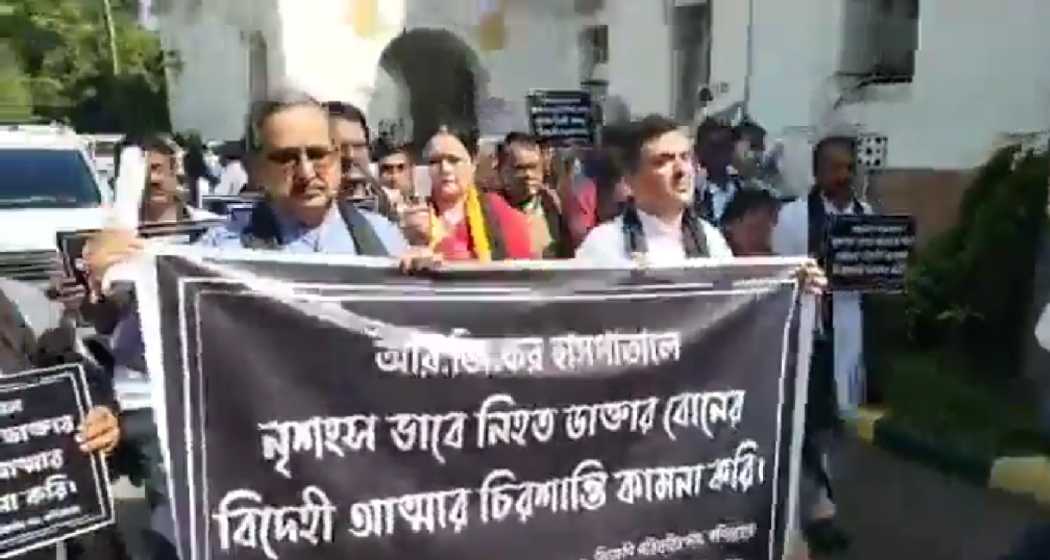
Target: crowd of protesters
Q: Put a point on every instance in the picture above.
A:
(647, 195)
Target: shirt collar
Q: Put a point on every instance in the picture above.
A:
(830, 208)
(291, 228)
(654, 226)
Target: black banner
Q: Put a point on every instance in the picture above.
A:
(49, 490)
(562, 117)
(330, 411)
(71, 243)
(869, 253)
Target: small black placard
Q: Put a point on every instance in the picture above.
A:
(869, 253)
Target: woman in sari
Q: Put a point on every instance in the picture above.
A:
(464, 222)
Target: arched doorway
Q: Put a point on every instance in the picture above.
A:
(441, 74)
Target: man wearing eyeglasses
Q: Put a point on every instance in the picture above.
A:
(295, 160)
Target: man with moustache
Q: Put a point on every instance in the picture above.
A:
(293, 158)
(837, 378)
(161, 200)
(521, 178)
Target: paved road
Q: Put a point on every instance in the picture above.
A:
(895, 510)
(898, 510)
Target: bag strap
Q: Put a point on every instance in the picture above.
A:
(694, 237)
(633, 234)
(263, 232)
(365, 238)
(557, 226)
(818, 218)
(493, 228)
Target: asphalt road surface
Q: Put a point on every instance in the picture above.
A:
(898, 510)
(894, 509)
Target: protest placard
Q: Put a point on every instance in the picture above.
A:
(71, 244)
(561, 117)
(869, 253)
(49, 490)
(336, 408)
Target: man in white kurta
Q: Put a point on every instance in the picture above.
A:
(661, 172)
(833, 168)
(791, 237)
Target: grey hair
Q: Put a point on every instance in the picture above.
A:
(262, 110)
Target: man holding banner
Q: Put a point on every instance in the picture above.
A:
(659, 224)
(300, 170)
(837, 380)
(484, 369)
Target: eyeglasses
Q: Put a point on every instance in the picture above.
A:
(287, 158)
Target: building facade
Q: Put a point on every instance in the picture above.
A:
(943, 82)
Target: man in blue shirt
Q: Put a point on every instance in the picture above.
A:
(293, 158)
(295, 161)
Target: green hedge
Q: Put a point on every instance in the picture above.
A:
(970, 289)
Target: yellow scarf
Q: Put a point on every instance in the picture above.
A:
(479, 237)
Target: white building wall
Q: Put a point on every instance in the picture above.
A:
(981, 72)
(728, 51)
(640, 55)
(541, 53)
(208, 92)
(319, 51)
(325, 56)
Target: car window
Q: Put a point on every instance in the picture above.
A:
(37, 178)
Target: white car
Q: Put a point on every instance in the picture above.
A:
(47, 184)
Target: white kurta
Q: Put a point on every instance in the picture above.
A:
(605, 244)
(791, 238)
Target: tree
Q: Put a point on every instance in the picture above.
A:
(16, 103)
(62, 50)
